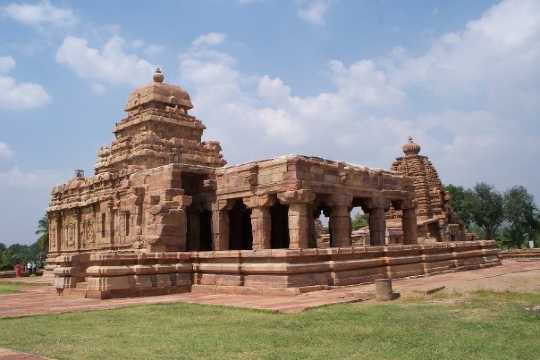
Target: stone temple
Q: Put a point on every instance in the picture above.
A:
(163, 214)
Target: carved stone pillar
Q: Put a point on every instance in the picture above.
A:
(220, 225)
(298, 226)
(78, 228)
(377, 220)
(408, 222)
(340, 226)
(299, 216)
(261, 225)
(340, 220)
(261, 221)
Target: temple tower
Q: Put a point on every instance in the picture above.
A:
(158, 130)
(436, 218)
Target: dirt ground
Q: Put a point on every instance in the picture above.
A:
(513, 275)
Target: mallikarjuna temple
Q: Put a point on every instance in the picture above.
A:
(163, 214)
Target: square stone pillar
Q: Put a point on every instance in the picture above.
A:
(340, 219)
(261, 226)
(340, 226)
(299, 226)
(408, 222)
(261, 220)
(300, 216)
(220, 226)
(377, 221)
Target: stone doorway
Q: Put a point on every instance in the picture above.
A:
(280, 226)
(240, 235)
(199, 230)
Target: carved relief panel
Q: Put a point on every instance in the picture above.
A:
(52, 233)
(88, 232)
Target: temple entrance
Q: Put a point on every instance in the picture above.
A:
(206, 231)
(280, 226)
(240, 235)
(199, 230)
(434, 231)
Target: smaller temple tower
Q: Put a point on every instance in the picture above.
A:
(436, 218)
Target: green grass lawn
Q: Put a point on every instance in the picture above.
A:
(482, 326)
(7, 288)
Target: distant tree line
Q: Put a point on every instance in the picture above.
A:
(512, 218)
(17, 253)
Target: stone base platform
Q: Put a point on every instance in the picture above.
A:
(262, 272)
(521, 254)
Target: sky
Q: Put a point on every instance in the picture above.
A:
(340, 79)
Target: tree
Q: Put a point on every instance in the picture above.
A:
(461, 200)
(359, 221)
(43, 232)
(521, 214)
(486, 209)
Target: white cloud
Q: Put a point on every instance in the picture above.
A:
(98, 89)
(39, 179)
(109, 65)
(209, 39)
(40, 14)
(5, 151)
(471, 100)
(313, 11)
(19, 96)
(7, 63)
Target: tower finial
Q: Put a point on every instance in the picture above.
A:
(158, 76)
(411, 148)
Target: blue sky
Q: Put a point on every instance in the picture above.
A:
(346, 80)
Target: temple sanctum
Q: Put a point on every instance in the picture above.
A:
(163, 214)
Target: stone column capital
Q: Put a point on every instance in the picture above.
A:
(302, 196)
(378, 203)
(341, 199)
(408, 204)
(259, 201)
(221, 205)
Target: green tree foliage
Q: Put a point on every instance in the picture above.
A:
(462, 200)
(22, 254)
(486, 209)
(359, 221)
(521, 215)
(43, 232)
